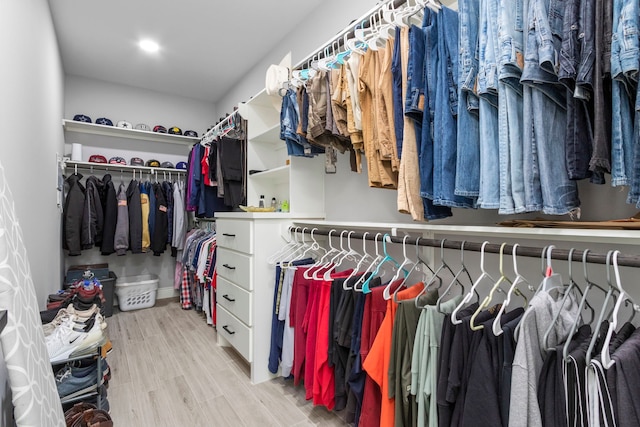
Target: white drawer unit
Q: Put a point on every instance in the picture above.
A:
(236, 235)
(234, 299)
(233, 330)
(245, 286)
(234, 266)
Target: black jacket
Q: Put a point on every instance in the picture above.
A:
(135, 217)
(93, 215)
(110, 206)
(72, 215)
(159, 235)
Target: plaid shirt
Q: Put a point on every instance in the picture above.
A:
(185, 289)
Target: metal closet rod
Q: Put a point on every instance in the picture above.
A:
(625, 260)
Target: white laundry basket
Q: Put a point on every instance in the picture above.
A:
(136, 292)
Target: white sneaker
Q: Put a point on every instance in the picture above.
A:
(94, 338)
(64, 341)
(79, 316)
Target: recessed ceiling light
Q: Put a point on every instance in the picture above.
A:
(149, 46)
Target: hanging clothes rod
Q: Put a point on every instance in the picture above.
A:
(213, 132)
(626, 260)
(362, 22)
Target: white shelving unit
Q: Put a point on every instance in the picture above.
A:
(116, 132)
(296, 179)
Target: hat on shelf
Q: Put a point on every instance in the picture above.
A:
(142, 126)
(152, 163)
(117, 161)
(104, 121)
(98, 158)
(82, 118)
(160, 129)
(124, 124)
(175, 130)
(167, 165)
(181, 165)
(136, 161)
(191, 133)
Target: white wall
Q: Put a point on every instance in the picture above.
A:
(319, 27)
(31, 107)
(97, 98)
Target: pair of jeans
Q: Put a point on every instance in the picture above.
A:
(289, 117)
(489, 197)
(398, 113)
(468, 154)
(445, 120)
(547, 184)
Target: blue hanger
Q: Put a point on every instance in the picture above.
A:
(387, 258)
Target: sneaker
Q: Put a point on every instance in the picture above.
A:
(94, 339)
(72, 385)
(64, 341)
(78, 316)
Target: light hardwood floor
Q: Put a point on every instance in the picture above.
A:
(167, 370)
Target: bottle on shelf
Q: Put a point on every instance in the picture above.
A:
(284, 206)
(274, 204)
(261, 203)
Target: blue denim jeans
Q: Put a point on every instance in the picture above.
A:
(468, 155)
(547, 183)
(289, 119)
(445, 118)
(398, 113)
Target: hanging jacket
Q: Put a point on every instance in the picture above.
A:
(179, 223)
(135, 217)
(92, 216)
(159, 235)
(72, 215)
(110, 206)
(144, 200)
(121, 237)
(152, 207)
(167, 187)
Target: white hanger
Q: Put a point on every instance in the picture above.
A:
(371, 266)
(467, 297)
(365, 257)
(497, 325)
(463, 269)
(322, 260)
(387, 259)
(406, 261)
(272, 260)
(330, 263)
(345, 254)
(607, 362)
(289, 254)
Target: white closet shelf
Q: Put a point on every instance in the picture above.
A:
(268, 215)
(624, 237)
(121, 168)
(116, 132)
(270, 136)
(262, 99)
(275, 175)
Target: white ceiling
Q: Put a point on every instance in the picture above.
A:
(206, 45)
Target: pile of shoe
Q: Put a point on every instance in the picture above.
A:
(87, 415)
(82, 294)
(81, 377)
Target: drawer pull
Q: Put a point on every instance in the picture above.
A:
(225, 296)
(229, 331)
(228, 235)
(228, 266)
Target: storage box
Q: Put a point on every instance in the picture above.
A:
(136, 292)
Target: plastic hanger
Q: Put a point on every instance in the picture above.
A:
(487, 300)
(379, 257)
(436, 275)
(572, 285)
(272, 260)
(601, 318)
(496, 287)
(463, 269)
(497, 325)
(607, 362)
(467, 297)
(406, 261)
(323, 259)
(330, 262)
(292, 250)
(346, 254)
(365, 257)
(387, 259)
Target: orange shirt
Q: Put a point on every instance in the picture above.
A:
(377, 362)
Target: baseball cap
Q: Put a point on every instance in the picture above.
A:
(117, 161)
(142, 126)
(124, 124)
(97, 158)
(82, 118)
(152, 163)
(191, 133)
(181, 165)
(167, 165)
(104, 121)
(136, 161)
(160, 129)
(175, 130)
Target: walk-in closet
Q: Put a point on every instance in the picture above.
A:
(393, 213)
